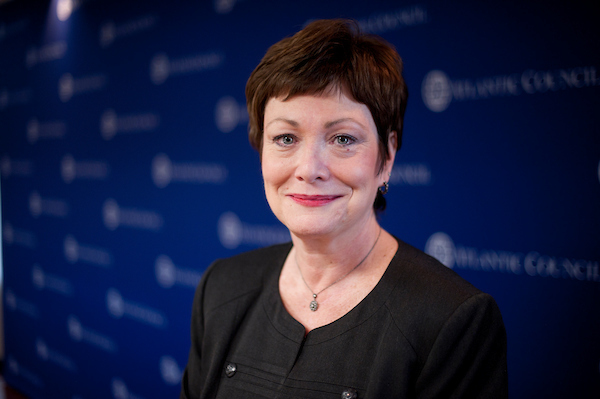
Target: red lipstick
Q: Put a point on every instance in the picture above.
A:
(313, 200)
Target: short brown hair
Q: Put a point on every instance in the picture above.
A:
(330, 54)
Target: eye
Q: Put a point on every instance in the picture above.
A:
(344, 139)
(284, 139)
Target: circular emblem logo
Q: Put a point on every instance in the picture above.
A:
(33, 131)
(108, 124)
(119, 389)
(111, 214)
(227, 114)
(4, 98)
(37, 276)
(441, 247)
(5, 166)
(169, 370)
(114, 303)
(107, 34)
(68, 169)
(11, 300)
(165, 271)
(159, 68)
(64, 8)
(71, 248)
(35, 204)
(8, 233)
(436, 91)
(230, 230)
(162, 170)
(224, 6)
(13, 365)
(75, 329)
(65, 87)
(31, 58)
(42, 349)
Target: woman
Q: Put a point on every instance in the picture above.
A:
(345, 309)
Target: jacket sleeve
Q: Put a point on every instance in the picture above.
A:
(190, 383)
(468, 357)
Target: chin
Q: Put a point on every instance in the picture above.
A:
(312, 226)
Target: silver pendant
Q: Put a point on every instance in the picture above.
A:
(314, 305)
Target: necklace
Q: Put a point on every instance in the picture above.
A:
(313, 304)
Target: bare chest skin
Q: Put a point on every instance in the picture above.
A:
(340, 298)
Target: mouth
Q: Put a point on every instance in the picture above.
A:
(313, 200)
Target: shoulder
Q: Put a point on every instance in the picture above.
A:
(429, 297)
(248, 267)
(229, 278)
(424, 275)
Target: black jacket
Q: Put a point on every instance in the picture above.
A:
(423, 332)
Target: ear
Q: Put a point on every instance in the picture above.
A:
(392, 148)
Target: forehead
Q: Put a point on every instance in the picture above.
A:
(316, 108)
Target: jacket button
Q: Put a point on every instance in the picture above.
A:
(230, 369)
(349, 394)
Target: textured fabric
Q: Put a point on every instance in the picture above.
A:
(423, 332)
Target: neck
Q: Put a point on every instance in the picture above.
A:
(322, 260)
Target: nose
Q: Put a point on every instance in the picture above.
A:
(311, 163)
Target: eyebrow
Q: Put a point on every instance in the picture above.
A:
(342, 120)
(288, 121)
(327, 125)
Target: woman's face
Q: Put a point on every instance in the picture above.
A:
(319, 163)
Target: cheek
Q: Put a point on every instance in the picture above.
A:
(359, 173)
(274, 173)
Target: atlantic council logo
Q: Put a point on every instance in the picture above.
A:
(441, 247)
(110, 32)
(162, 67)
(436, 91)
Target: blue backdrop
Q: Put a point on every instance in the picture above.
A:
(126, 171)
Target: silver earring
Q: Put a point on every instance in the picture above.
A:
(384, 188)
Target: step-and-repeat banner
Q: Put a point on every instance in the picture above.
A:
(126, 171)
